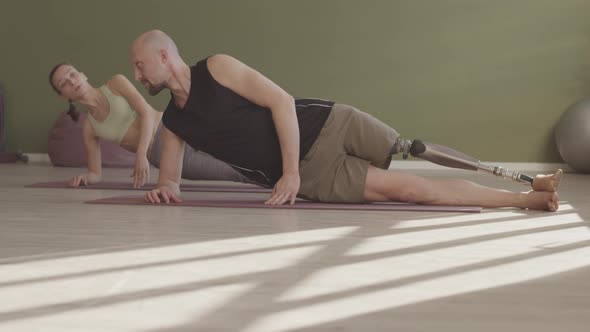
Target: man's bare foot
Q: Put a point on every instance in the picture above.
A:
(541, 200)
(547, 182)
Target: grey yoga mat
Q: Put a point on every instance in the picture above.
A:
(245, 188)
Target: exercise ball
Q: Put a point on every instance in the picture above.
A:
(572, 136)
(65, 146)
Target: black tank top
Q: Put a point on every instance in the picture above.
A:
(231, 128)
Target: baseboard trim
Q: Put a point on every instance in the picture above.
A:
(39, 158)
(406, 165)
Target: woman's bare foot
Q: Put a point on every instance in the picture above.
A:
(540, 200)
(547, 182)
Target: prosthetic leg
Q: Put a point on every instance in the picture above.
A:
(448, 157)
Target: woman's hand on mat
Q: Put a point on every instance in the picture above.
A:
(285, 190)
(141, 172)
(79, 180)
(84, 180)
(162, 194)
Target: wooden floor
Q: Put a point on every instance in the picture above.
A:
(70, 266)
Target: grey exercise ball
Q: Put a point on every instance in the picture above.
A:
(572, 136)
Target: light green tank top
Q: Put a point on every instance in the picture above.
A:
(119, 119)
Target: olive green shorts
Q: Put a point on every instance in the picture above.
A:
(335, 167)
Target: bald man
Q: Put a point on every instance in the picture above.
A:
(312, 148)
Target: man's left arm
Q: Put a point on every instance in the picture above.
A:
(260, 90)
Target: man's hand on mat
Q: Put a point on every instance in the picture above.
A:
(285, 190)
(162, 194)
(141, 172)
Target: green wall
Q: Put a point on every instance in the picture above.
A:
(490, 78)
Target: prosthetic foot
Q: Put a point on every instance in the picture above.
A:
(448, 157)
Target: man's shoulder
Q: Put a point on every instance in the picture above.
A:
(202, 61)
(212, 59)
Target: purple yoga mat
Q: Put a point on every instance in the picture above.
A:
(245, 202)
(246, 188)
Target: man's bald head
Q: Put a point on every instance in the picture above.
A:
(153, 54)
(154, 40)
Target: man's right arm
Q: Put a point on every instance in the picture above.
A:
(170, 169)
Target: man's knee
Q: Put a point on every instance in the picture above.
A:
(414, 190)
(413, 194)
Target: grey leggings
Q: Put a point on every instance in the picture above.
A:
(197, 165)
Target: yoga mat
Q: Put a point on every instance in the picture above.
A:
(150, 186)
(299, 204)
